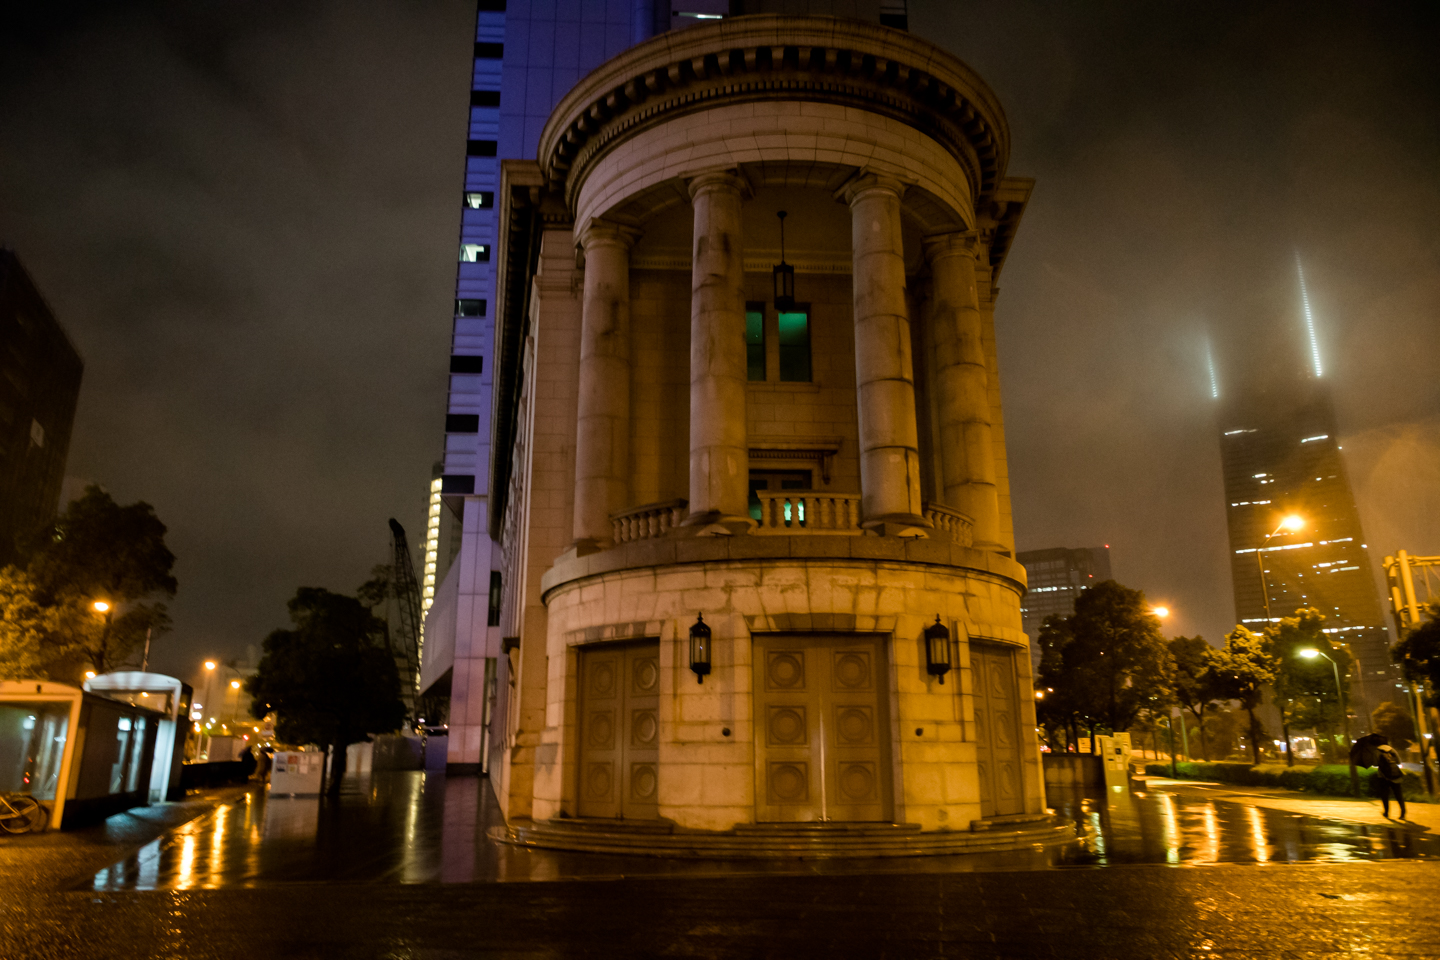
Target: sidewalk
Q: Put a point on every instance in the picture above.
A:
(1419, 816)
(57, 858)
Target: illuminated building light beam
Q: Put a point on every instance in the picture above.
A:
(1309, 317)
(1210, 365)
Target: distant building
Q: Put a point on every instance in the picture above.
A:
(1280, 455)
(1056, 576)
(39, 385)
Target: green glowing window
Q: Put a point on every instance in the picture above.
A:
(755, 341)
(794, 337)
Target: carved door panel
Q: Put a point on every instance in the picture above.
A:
(822, 735)
(619, 731)
(997, 723)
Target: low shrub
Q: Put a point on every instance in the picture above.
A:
(1328, 779)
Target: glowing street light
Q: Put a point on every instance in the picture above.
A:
(1161, 612)
(209, 664)
(100, 606)
(234, 684)
(1310, 653)
(1290, 523)
(89, 674)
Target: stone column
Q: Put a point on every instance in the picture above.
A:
(962, 388)
(602, 430)
(884, 378)
(719, 455)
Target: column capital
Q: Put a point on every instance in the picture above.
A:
(711, 181)
(868, 183)
(957, 243)
(606, 233)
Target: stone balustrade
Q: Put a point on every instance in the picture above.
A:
(809, 511)
(648, 521)
(951, 524)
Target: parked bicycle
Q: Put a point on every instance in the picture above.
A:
(20, 813)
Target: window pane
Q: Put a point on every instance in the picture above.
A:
(755, 344)
(32, 744)
(795, 346)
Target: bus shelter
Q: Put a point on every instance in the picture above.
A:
(166, 695)
(82, 755)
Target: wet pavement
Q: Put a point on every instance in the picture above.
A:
(418, 828)
(401, 869)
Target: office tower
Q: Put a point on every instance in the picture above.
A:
(1055, 578)
(1280, 453)
(40, 374)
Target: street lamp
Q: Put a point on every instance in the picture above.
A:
(1161, 612)
(1290, 524)
(1310, 653)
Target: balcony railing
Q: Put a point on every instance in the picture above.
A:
(648, 521)
(950, 524)
(809, 511)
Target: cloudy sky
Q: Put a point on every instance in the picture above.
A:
(245, 214)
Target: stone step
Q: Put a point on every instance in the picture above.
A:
(767, 841)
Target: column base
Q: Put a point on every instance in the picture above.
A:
(905, 525)
(713, 523)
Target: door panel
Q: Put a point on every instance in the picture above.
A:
(619, 733)
(997, 723)
(823, 751)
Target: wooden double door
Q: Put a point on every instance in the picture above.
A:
(619, 731)
(997, 729)
(822, 728)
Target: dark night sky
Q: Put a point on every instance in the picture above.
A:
(246, 216)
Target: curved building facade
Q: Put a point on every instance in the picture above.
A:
(797, 454)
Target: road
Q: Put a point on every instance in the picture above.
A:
(401, 868)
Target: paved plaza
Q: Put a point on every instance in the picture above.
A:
(403, 867)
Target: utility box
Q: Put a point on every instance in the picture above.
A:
(297, 772)
(1115, 751)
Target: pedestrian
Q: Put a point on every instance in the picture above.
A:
(1388, 774)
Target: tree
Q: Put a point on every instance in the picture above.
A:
(24, 627)
(1192, 680)
(1393, 721)
(1240, 672)
(1305, 690)
(98, 550)
(330, 679)
(1056, 707)
(1109, 659)
(1419, 653)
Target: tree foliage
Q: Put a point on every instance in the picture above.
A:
(24, 627)
(329, 679)
(1395, 722)
(1305, 691)
(1192, 681)
(95, 550)
(1105, 663)
(1419, 653)
(1240, 672)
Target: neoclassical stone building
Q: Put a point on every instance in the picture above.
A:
(819, 475)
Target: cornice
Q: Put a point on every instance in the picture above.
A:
(770, 57)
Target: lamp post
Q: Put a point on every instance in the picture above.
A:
(1310, 653)
(1289, 524)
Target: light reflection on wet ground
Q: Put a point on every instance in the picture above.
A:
(417, 828)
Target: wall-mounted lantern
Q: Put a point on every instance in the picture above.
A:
(784, 275)
(700, 648)
(937, 649)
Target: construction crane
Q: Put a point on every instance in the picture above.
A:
(405, 640)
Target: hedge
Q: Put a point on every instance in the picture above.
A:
(1328, 779)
